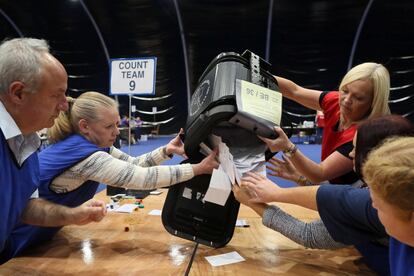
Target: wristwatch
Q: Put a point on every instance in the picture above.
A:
(290, 151)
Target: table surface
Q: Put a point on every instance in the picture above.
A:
(106, 248)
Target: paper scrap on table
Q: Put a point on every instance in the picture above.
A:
(225, 259)
(242, 223)
(155, 212)
(219, 188)
(156, 192)
(126, 208)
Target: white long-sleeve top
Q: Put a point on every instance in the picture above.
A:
(118, 169)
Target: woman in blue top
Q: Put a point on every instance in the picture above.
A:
(82, 156)
(389, 173)
(347, 217)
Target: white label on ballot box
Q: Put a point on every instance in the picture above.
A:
(261, 102)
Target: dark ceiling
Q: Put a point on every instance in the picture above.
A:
(313, 43)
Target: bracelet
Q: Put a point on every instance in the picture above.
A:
(303, 181)
(291, 151)
(164, 151)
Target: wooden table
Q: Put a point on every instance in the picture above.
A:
(106, 248)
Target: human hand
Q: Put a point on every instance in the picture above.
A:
(91, 210)
(281, 143)
(261, 187)
(283, 168)
(207, 165)
(242, 194)
(176, 146)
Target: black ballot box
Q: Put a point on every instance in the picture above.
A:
(237, 99)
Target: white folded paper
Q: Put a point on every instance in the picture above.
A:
(220, 187)
(225, 259)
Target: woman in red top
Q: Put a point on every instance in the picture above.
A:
(363, 93)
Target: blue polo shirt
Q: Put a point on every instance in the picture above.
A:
(401, 258)
(348, 215)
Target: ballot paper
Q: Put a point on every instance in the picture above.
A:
(242, 223)
(253, 161)
(204, 149)
(156, 192)
(215, 140)
(237, 174)
(226, 161)
(220, 187)
(155, 212)
(225, 259)
(225, 158)
(125, 208)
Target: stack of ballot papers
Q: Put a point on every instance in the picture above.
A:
(231, 168)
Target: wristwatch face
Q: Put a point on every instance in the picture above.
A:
(290, 152)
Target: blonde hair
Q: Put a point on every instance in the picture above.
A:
(389, 171)
(380, 79)
(86, 106)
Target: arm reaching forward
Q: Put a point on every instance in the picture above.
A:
(41, 212)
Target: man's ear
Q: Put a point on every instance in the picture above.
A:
(83, 126)
(16, 93)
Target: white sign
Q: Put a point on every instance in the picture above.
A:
(133, 76)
